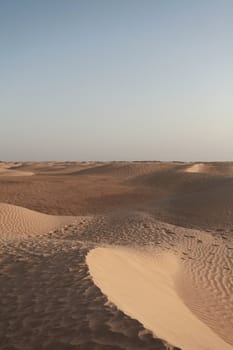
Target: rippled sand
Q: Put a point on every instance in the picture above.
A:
(137, 256)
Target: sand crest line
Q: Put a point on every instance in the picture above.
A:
(19, 222)
(143, 286)
(170, 287)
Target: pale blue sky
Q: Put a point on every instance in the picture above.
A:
(116, 79)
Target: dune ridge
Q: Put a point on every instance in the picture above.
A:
(142, 223)
(11, 169)
(143, 287)
(47, 298)
(181, 271)
(217, 168)
(18, 222)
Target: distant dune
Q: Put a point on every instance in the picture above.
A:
(124, 169)
(211, 168)
(11, 169)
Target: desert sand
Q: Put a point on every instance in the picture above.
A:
(11, 169)
(118, 255)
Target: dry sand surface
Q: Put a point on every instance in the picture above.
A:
(18, 222)
(116, 255)
(11, 169)
(211, 168)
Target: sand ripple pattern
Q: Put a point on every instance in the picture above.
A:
(205, 280)
(22, 222)
(47, 297)
(206, 283)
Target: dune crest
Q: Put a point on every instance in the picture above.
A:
(18, 222)
(158, 242)
(143, 286)
(196, 168)
(11, 169)
(225, 169)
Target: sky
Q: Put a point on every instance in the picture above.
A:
(116, 80)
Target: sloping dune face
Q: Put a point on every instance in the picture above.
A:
(11, 169)
(124, 169)
(182, 293)
(55, 168)
(48, 300)
(211, 168)
(175, 281)
(18, 222)
(196, 168)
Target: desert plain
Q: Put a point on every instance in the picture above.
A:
(116, 255)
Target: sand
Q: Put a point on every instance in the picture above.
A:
(18, 222)
(196, 168)
(11, 169)
(151, 286)
(116, 255)
(225, 169)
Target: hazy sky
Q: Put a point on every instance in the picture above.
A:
(116, 79)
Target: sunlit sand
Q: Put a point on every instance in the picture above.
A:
(117, 255)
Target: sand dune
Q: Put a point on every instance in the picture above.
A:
(125, 222)
(124, 169)
(47, 298)
(143, 286)
(204, 202)
(182, 291)
(11, 169)
(196, 168)
(54, 168)
(211, 168)
(118, 169)
(18, 222)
